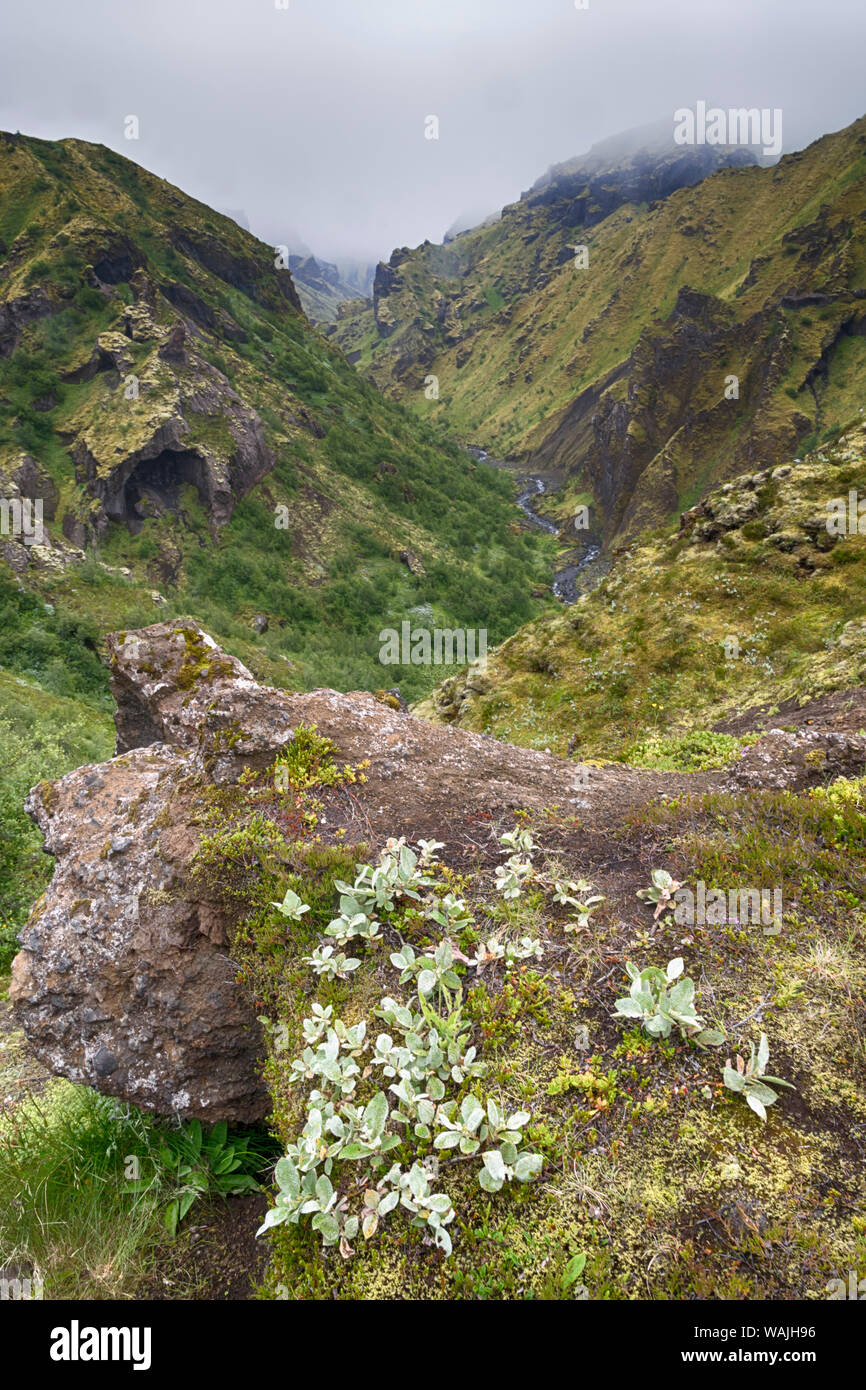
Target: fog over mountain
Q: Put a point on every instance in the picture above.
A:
(310, 119)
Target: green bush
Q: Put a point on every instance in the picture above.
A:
(698, 751)
(92, 1189)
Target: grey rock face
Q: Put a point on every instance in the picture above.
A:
(790, 761)
(118, 983)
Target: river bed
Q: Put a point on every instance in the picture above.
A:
(585, 564)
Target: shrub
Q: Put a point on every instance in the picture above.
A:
(425, 1051)
(662, 1000)
(750, 1079)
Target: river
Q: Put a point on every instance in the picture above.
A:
(584, 566)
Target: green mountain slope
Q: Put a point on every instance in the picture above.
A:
(617, 373)
(190, 434)
(751, 602)
(197, 447)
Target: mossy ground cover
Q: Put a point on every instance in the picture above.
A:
(664, 1180)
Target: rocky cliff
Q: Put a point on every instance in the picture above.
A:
(322, 287)
(648, 322)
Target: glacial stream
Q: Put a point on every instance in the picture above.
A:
(570, 580)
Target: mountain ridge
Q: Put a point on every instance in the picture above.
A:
(617, 371)
(192, 436)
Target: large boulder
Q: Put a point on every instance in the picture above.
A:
(125, 979)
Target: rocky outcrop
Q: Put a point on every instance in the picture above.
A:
(192, 428)
(16, 313)
(413, 564)
(637, 432)
(125, 979)
(790, 761)
(322, 289)
(28, 503)
(638, 166)
(244, 272)
(25, 478)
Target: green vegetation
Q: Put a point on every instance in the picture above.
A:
(641, 1143)
(360, 481)
(464, 1105)
(195, 1166)
(754, 604)
(751, 1080)
(697, 751)
(664, 1000)
(91, 1190)
(54, 716)
(356, 481)
(537, 359)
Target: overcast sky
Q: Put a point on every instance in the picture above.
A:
(311, 119)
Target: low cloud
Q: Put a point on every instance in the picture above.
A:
(310, 120)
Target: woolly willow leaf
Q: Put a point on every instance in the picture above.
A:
(763, 1093)
(763, 1055)
(275, 1217)
(488, 1182)
(448, 1140)
(754, 1104)
(327, 1226)
(631, 1008)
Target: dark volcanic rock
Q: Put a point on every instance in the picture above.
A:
(16, 313)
